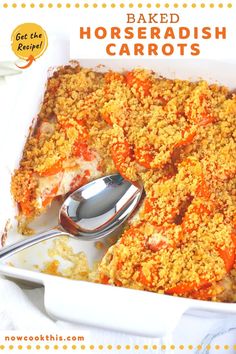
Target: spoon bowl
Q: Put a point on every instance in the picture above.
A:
(99, 206)
(92, 212)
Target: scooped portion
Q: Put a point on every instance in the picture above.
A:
(178, 139)
(57, 158)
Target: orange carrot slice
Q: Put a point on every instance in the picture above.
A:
(82, 150)
(132, 80)
(50, 196)
(228, 256)
(54, 169)
(186, 139)
(79, 181)
(187, 287)
(202, 294)
(144, 156)
(104, 279)
(122, 154)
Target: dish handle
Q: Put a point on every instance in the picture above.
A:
(113, 308)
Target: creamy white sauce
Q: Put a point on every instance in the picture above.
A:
(64, 179)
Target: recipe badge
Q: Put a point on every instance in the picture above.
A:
(29, 41)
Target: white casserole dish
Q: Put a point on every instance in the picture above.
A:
(131, 311)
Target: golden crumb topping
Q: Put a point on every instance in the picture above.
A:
(178, 138)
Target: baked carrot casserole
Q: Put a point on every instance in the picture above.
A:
(178, 138)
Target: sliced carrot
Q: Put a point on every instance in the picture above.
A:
(200, 210)
(79, 181)
(47, 201)
(131, 233)
(147, 282)
(66, 125)
(188, 226)
(107, 118)
(186, 139)
(202, 294)
(80, 124)
(50, 196)
(104, 279)
(202, 189)
(233, 236)
(206, 119)
(118, 282)
(82, 150)
(187, 287)
(149, 205)
(228, 256)
(144, 156)
(25, 208)
(132, 80)
(119, 265)
(203, 209)
(122, 154)
(25, 203)
(54, 169)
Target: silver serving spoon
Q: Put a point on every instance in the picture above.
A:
(91, 212)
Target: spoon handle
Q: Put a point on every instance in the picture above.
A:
(30, 241)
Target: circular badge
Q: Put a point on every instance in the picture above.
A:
(29, 41)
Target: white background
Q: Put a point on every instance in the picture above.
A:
(66, 22)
